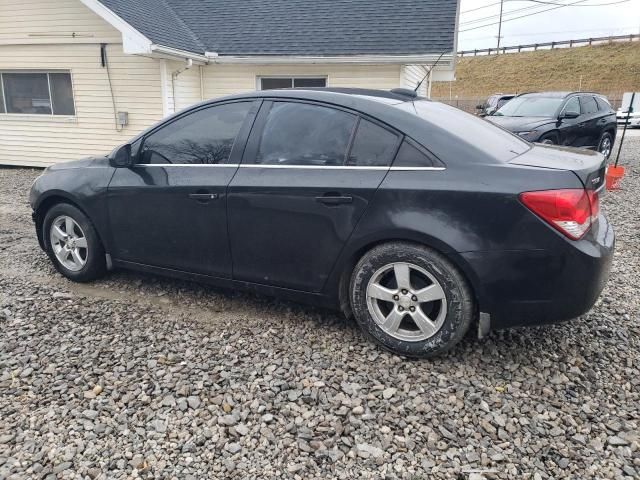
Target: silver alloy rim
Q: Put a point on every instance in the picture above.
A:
(406, 302)
(69, 243)
(547, 141)
(605, 146)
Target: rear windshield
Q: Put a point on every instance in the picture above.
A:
(530, 107)
(483, 134)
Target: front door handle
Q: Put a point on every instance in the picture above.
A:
(203, 197)
(334, 199)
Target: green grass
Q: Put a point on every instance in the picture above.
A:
(610, 69)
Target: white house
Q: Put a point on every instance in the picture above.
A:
(78, 77)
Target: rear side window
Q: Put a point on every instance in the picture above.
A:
(373, 146)
(304, 134)
(589, 105)
(603, 105)
(411, 155)
(203, 137)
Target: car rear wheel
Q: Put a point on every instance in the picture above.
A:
(605, 145)
(72, 243)
(411, 299)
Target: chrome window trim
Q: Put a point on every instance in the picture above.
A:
(233, 165)
(293, 167)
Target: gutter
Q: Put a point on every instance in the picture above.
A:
(304, 59)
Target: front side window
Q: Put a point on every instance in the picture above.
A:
(36, 93)
(303, 134)
(533, 106)
(373, 146)
(589, 105)
(205, 136)
(269, 83)
(572, 105)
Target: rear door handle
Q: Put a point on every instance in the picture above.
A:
(334, 199)
(203, 197)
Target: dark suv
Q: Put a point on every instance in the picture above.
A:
(494, 103)
(415, 217)
(575, 119)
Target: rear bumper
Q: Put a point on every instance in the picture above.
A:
(535, 287)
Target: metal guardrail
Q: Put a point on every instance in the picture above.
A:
(536, 46)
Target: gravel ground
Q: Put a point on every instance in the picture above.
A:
(140, 376)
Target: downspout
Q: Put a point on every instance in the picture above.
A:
(201, 82)
(174, 75)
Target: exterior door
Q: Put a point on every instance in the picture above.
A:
(307, 176)
(571, 130)
(169, 210)
(591, 117)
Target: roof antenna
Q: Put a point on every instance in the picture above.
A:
(428, 72)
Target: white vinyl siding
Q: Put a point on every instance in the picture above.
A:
(223, 80)
(52, 21)
(40, 140)
(185, 84)
(412, 76)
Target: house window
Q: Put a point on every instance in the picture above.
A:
(40, 93)
(269, 83)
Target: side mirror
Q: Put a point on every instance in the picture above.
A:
(479, 107)
(121, 156)
(569, 114)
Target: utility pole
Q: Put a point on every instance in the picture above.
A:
(500, 27)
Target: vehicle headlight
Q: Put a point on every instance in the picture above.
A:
(528, 133)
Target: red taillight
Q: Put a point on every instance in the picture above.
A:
(571, 211)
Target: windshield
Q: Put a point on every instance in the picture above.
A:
(530, 107)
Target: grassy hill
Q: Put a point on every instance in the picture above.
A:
(609, 69)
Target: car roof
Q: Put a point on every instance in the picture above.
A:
(555, 94)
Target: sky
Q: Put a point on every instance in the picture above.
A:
(566, 23)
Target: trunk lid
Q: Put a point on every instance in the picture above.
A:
(588, 165)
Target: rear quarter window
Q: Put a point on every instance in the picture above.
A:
(411, 155)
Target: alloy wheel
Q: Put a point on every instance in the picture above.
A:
(605, 146)
(69, 243)
(407, 302)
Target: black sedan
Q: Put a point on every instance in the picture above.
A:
(416, 218)
(575, 119)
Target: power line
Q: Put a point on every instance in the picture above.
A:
(524, 16)
(540, 4)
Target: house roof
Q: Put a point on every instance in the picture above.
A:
(294, 27)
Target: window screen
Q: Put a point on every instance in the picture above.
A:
(303, 134)
(373, 146)
(603, 105)
(36, 93)
(289, 82)
(203, 137)
(61, 94)
(2, 110)
(589, 105)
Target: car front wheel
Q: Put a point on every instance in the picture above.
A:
(411, 299)
(72, 243)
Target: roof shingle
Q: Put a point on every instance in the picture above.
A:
(295, 27)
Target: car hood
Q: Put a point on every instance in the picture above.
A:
(519, 124)
(94, 161)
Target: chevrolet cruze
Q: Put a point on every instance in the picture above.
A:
(417, 219)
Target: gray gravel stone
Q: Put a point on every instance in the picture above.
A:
(197, 382)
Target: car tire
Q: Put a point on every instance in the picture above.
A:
(72, 243)
(549, 139)
(436, 308)
(605, 144)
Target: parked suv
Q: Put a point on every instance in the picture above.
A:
(575, 119)
(414, 216)
(494, 103)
